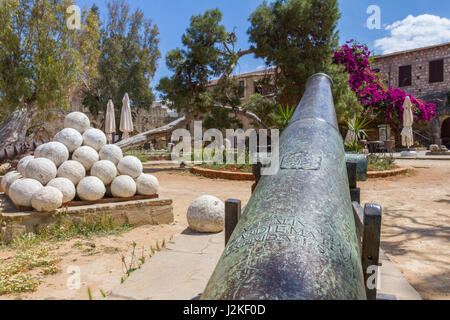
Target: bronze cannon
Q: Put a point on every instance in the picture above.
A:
(297, 239)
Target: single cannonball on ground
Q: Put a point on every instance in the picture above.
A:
(147, 185)
(206, 214)
(72, 170)
(78, 121)
(112, 153)
(85, 155)
(47, 199)
(91, 189)
(130, 166)
(9, 179)
(66, 187)
(23, 164)
(104, 170)
(123, 187)
(69, 137)
(54, 151)
(94, 138)
(21, 192)
(41, 169)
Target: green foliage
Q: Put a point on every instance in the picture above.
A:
(283, 116)
(39, 60)
(299, 38)
(358, 126)
(353, 147)
(127, 61)
(15, 274)
(206, 55)
(376, 163)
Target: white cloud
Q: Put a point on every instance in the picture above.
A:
(415, 32)
(261, 67)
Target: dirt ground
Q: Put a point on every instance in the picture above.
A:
(416, 224)
(415, 233)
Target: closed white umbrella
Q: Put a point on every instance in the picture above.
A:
(408, 119)
(110, 121)
(126, 120)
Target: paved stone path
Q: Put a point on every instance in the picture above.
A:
(182, 270)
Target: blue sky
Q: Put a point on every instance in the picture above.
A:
(405, 24)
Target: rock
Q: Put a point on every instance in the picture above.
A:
(94, 138)
(65, 186)
(78, 121)
(434, 148)
(91, 189)
(21, 192)
(47, 199)
(23, 164)
(69, 137)
(123, 187)
(130, 166)
(112, 153)
(87, 156)
(54, 151)
(8, 179)
(41, 169)
(147, 185)
(72, 170)
(206, 214)
(104, 170)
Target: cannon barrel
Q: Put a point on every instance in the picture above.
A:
(296, 239)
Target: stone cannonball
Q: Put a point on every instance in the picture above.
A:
(72, 170)
(78, 121)
(86, 156)
(206, 214)
(69, 137)
(41, 169)
(55, 151)
(130, 166)
(91, 189)
(47, 199)
(94, 138)
(66, 187)
(21, 192)
(112, 153)
(9, 179)
(104, 170)
(147, 185)
(23, 164)
(123, 187)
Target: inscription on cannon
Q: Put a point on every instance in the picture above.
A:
(302, 160)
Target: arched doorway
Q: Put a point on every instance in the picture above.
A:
(445, 132)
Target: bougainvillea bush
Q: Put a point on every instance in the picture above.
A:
(377, 98)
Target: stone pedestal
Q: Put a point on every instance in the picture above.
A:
(135, 213)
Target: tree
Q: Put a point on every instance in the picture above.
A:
(127, 61)
(295, 37)
(38, 63)
(299, 37)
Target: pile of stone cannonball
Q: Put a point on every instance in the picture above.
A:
(77, 163)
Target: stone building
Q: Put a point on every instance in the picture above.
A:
(425, 73)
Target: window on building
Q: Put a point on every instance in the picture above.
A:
(404, 76)
(377, 70)
(242, 89)
(436, 71)
(258, 88)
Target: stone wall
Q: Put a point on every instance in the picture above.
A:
(419, 60)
